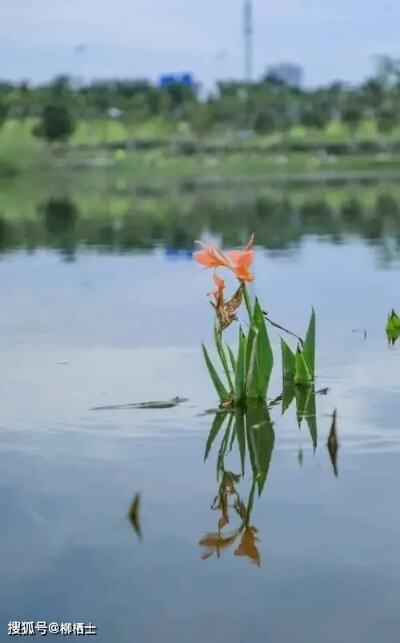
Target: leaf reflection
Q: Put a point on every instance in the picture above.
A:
(251, 430)
(134, 515)
(246, 436)
(333, 443)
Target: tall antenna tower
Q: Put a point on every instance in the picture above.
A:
(248, 40)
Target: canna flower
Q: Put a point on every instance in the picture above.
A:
(218, 294)
(238, 261)
(210, 257)
(241, 260)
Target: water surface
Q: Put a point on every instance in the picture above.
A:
(104, 307)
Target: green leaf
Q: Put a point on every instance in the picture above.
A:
(303, 374)
(249, 347)
(288, 361)
(215, 428)
(222, 356)
(393, 323)
(232, 358)
(393, 327)
(309, 345)
(240, 374)
(265, 358)
(219, 386)
(252, 374)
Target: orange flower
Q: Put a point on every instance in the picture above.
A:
(218, 294)
(238, 261)
(241, 260)
(210, 257)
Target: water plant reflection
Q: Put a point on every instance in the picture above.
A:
(247, 437)
(253, 434)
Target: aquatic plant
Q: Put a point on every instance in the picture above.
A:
(299, 367)
(246, 373)
(393, 327)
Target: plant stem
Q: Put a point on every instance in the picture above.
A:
(285, 330)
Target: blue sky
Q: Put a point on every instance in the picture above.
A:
(331, 39)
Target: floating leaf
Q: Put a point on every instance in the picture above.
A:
(219, 386)
(288, 361)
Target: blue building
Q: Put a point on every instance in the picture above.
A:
(186, 78)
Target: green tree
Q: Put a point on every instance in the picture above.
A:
(3, 112)
(352, 116)
(386, 120)
(56, 124)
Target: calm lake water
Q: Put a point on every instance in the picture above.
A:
(103, 306)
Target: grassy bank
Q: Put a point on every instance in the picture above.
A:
(103, 143)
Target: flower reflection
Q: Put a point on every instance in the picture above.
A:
(248, 546)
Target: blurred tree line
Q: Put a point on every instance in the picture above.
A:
(265, 107)
(280, 221)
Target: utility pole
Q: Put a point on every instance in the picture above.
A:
(248, 40)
